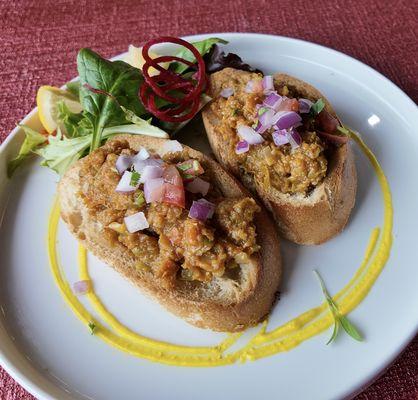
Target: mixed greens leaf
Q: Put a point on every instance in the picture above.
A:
(108, 95)
(33, 140)
(61, 152)
(216, 60)
(203, 47)
(74, 124)
(74, 88)
(339, 319)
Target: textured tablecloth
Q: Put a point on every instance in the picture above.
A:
(39, 41)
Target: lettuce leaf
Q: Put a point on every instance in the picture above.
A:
(74, 88)
(73, 124)
(61, 152)
(33, 140)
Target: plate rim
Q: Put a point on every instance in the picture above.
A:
(27, 382)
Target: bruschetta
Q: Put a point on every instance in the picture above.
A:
(281, 138)
(177, 225)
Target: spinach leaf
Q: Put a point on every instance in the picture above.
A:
(105, 86)
(33, 140)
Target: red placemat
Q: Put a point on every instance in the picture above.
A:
(39, 42)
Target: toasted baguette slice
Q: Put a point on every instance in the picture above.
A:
(224, 304)
(310, 219)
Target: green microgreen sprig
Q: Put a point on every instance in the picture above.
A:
(340, 320)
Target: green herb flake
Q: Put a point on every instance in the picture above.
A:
(262, 110)
(235, 112)
(135, 178)
(140, 199)
(339, 319)
(184, 167)
(92, 327)
(317, 107)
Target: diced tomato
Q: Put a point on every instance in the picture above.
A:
(289, 105)
(172, 175)
(327, 122)
(174, 195)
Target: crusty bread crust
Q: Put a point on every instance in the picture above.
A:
(222, 305)
(312, 219)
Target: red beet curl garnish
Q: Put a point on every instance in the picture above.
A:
(183, 107)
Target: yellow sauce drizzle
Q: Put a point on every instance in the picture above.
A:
(264, 343)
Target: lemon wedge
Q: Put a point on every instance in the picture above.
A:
(134, 58)
(47, 99)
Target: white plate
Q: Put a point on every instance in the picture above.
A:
(46, 348)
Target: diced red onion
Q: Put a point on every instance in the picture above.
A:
(267, 83)
(273, 100)
(280, 137)
(254, 86)
(139, 165)
(170, 146)
(198, 185)
(304, 106)
(266, 119)
(242, 147)
(249, 135)
(201, 210)
(124, 185)
(123, 163)
(154, 190)
(136, 222)
(260, 128)
(142, 154)
(82, 287)
(287, 119)
(249, 87)
(151, 172)
(157, 161)
(294, 138)
(227, 92)
(210, 205)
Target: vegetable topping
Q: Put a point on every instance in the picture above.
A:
(174, 221)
